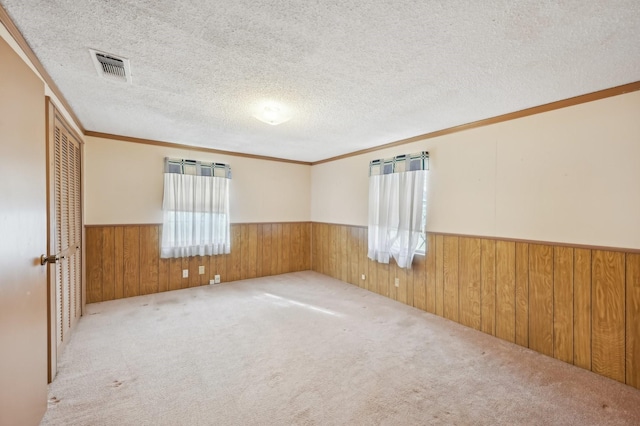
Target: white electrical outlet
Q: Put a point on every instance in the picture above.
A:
(201, 269)
(397, 282)
(216, 279)
(211, 282)
(364, 277)
(185, 273)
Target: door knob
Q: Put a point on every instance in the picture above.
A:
(44, 259)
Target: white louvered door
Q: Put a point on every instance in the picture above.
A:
(65, 234)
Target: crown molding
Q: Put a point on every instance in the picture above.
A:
(189, 147)
(577, 100)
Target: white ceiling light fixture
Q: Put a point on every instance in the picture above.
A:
(272, 114)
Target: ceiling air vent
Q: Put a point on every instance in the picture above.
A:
(111, 67)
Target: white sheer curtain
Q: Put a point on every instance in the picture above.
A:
(196, 216)
(396, 203)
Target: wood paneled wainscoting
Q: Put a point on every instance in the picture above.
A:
(124, 260)
(580, 305)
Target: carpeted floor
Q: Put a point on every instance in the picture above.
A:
(306, 349)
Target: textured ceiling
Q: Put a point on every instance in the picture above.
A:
(354, 73)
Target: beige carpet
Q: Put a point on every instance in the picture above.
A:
(306, 349)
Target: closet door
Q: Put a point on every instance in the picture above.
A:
(65, 234)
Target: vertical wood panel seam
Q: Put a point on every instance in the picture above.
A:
(553, 301)
(624, 305)
(573, 306)
(139, 264)
(591, 307)
(114, 264)
(495, 290)
(113, 261)
(435, 290)
(481, 286)
(590, 310)
(459, 321)
(528, 296)
(515, 294)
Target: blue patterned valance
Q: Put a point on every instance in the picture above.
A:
(197, 168)
(400, 163)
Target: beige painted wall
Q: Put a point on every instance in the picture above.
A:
(124, 184)
(570, 175)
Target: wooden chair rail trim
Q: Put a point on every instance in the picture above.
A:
(515, 240)
(124, 225)
(448, 234)
(111, 225)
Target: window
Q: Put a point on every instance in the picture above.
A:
(195, 209)
(397, 208)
